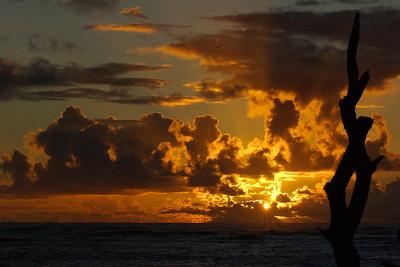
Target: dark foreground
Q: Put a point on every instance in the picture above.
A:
(183, 245)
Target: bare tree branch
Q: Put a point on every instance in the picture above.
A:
(346, 219)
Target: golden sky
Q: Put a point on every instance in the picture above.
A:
(170, 111)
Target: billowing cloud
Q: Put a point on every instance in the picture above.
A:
(161, 154)
(301, 53)
(284, 116)
(289, 70)
(103, 156)
(379, 145)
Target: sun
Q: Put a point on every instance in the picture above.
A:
(266, 205)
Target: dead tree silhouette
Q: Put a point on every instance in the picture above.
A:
(345, 219)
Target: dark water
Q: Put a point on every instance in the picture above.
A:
(182, 245)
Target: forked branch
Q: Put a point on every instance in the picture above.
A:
(346, 218)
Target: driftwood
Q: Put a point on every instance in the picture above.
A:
(346, 218)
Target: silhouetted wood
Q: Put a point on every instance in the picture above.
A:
(346, 218)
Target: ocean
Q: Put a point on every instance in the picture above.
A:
(88, 245)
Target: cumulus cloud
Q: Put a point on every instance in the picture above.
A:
(284, 116)
(378, 144)
(294, 65)
(302, 53)
(161, 154)
(103, 156)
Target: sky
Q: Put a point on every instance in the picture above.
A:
(189, 111)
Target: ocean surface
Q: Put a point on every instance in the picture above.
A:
(184, 245)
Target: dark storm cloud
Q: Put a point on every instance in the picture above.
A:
(208, 172)
(303, 157)
(18, 81)
(230, 190)
(86, 156)
(299, 52)
(156, 153)
(284, 117)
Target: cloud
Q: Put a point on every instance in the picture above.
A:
(88, 156)
(308, 2)
(39, 43)
(378, 145)
(135, 11)
(383, 202)
(133, 27)
(81, 6)
(30, 82)
(90, 6)
(284, 116)
(118, 96)
(147, 28)
(160, 154)
(381, 206)
(17, 81)
(289, 65)
(301, 53)
(357, 1)
(312, 207)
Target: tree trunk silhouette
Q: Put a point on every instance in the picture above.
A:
(346, 218)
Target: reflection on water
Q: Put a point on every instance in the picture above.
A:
(183, 245)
